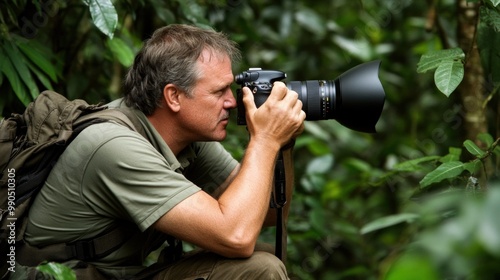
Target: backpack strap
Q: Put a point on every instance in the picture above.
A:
(122, 116)
(84, 250)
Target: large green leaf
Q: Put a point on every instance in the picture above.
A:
(32, 51)
(444, 171)
(104, 15)
(473, 148)
(19, 63)
(388, 221)
(448, 76)
(40, 76)
(9, 71)
(433, 59)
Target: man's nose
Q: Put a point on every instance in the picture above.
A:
(230, 101)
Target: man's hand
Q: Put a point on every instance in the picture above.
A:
(279, 119)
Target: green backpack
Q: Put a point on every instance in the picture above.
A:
(30, 144)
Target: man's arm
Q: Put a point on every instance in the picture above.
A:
(231, 224)
(271, 218)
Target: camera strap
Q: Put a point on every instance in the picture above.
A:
(278, 200)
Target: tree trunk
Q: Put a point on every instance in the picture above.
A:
(472, 87)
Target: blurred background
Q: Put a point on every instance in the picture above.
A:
(416, 200)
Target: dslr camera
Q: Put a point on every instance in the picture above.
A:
(355, 99)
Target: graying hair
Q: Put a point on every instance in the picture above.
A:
(170, 57)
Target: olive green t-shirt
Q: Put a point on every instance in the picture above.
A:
(110, 175)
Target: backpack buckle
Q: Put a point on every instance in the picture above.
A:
(82, 250)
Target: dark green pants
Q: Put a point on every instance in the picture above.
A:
(261, 265)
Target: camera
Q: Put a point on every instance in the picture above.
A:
(355, 99)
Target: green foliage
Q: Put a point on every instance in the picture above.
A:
(488, 39)
(104, 15)
(450, 166)
(494, 2)
(446, 170)
(57, 271)
(459, 239)
(449, 68)
(388, 221)
(363, 202)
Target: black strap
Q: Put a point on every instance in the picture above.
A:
(278, 201)
(99, 246)
(85, 250)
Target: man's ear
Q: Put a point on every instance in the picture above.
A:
(171, 96)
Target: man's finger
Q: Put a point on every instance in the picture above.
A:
(248, 101)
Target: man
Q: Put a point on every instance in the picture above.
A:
(179, 181)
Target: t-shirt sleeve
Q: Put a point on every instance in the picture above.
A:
(127, 177)
(212, 166)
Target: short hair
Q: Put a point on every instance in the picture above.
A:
(170, 57)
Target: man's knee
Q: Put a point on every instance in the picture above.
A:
(263, 265)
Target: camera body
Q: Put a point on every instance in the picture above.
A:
(260, 82)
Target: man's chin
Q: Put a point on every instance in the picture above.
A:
(217, 138)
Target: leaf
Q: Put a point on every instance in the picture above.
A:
(320, 165)
(413, 165)
(19, 63)
(486, 138)
(388, 221)
(448, 76)
(433, 59)
(453, 155)
(121, 51)
(495, 2)
(357, 165)
(359, 48)
(444, 171)
(40, 76)
(104, 15)
(310, 20)
(59, 271)
(193, 11)
(472, 166)
(473, 148)
(39, 58)
(9, 71)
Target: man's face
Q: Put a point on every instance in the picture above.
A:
(205, 114)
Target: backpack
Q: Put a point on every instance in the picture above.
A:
(30, 144)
